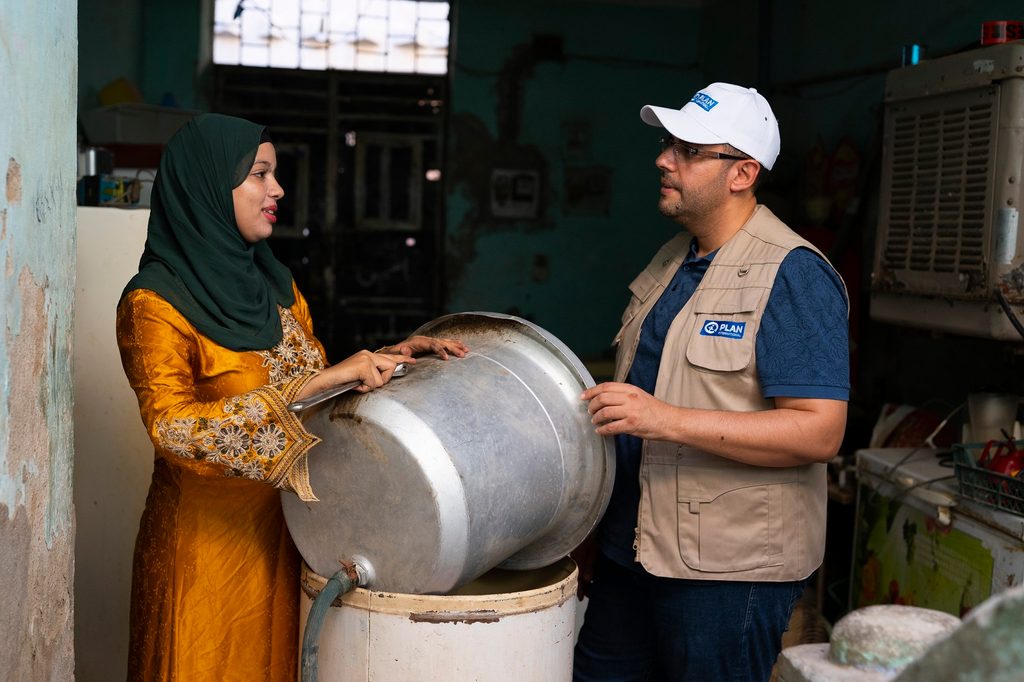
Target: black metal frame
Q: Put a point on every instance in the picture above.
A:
(327, 111)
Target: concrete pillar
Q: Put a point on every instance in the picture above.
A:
(38, 69)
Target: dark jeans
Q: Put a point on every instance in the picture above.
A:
(640, 627)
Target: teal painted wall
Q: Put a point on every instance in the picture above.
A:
(811, 39)
(567, 271)
(155, 45)
(848, 48)
(38, 68)
(109, 46)
(170, 53)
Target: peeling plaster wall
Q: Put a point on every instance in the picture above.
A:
(568, 268)
(38, 57)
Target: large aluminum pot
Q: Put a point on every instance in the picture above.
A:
(459, 466)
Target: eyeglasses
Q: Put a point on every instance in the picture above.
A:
(684, 151)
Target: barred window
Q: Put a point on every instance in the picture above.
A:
(397, 36)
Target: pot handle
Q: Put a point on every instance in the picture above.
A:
(401, 369)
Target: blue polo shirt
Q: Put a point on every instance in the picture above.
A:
(802, 352)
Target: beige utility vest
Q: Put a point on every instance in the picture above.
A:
(703, 516)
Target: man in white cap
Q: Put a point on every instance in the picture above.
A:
(730, 391)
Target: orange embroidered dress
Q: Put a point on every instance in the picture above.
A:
(215, 576)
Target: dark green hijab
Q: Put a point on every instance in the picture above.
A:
(195, 258)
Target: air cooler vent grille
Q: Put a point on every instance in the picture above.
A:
(940, 168)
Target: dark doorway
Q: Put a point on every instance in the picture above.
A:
(360, 157)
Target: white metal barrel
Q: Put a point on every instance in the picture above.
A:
(505, 626)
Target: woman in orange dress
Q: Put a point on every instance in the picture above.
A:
(216, 341)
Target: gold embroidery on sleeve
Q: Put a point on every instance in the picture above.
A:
(257, 438)
(294, 355)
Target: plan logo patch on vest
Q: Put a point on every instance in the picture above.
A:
(704, 101)
(725, 329)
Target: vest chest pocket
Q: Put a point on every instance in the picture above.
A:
(723, 335)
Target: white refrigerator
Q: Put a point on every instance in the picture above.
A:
(113, 454)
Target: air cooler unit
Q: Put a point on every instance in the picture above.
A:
(948, 253)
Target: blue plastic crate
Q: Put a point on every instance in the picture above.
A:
(983, 485)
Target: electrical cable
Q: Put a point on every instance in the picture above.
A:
(887, 477)
(898, 496)
(938, 429)
(944, 457)
(927, 442)
(1010, 315)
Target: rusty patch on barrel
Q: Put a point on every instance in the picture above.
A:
(468, 617)
(468, 324)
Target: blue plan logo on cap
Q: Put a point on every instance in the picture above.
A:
(704, 101)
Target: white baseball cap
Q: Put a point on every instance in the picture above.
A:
(723, 113)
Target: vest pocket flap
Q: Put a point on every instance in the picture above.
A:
(727, 301)
(707, 485)
(641, 288)
(643, 285)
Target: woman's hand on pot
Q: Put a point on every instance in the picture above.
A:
(372, 370)
(415, 345)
